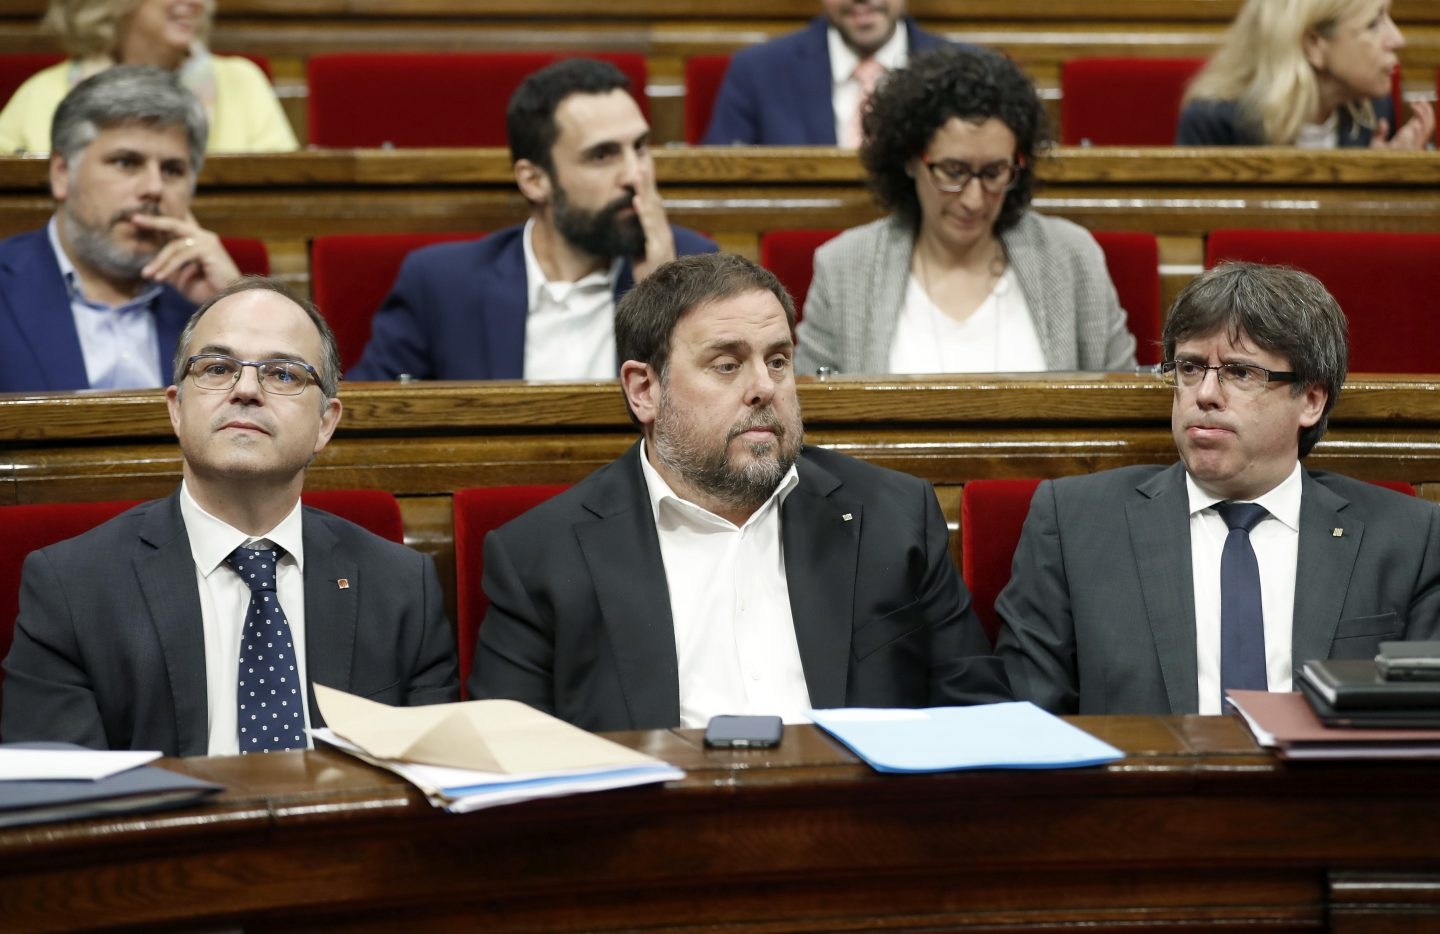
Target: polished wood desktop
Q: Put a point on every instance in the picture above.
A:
(1197, 829)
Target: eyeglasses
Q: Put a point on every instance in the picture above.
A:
(952, 175)
(221, 372)
(1244, 377)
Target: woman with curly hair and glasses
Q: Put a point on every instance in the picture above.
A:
(1308, 73)
(244, 114)
(962, 276)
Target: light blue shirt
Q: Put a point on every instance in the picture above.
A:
(119, 342)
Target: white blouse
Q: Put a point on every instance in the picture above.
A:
(999, 337)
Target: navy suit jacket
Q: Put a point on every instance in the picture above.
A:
(109, 649)
(39, 346)
(579, 623)
(778, 93)
(458, 310)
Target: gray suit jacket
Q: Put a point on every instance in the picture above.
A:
(579, 622)
(859, 288)
(109, 651)
(1099, 614)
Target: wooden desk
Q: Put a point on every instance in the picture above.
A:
(1196, 827)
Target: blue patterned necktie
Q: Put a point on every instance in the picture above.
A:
(1242, 621)
(271, 698)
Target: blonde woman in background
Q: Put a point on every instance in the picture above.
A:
(1309, 73)
(244, 114)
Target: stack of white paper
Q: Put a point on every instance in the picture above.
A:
(481, 754)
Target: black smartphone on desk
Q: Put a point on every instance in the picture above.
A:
(731, 731)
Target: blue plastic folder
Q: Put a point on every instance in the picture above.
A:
(1015, 735)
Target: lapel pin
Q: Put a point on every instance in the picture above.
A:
(1336, 533)
(343, 583)
(847, 517)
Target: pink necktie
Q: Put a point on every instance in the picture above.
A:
(867, 72)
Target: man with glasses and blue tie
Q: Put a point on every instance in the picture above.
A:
(196, 624)
(1154, 590)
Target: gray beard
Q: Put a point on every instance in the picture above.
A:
(708, 469)
(96, 250)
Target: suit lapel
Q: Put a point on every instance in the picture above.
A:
(35, 292)
(331, 614)
(172, 310)
(622, 552)
(1159, 521)
(820, 532)
(1027, 255)
(1323, 569)
(165, 570)
(504, 287)
(813, 82)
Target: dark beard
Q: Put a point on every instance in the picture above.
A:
(601, 233)
(708, 469)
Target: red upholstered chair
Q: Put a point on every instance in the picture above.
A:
(1133, 259)
(17, 67)
(703, 76)
(1385, 282)
(477, 511)
(410, 99)
(375, 510)
(350, 275)
(1123, 101)
(992, 513)
(790, 255)
(249, 254)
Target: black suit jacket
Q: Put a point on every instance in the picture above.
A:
(580, 626)
(109, 651)
(1099, 614)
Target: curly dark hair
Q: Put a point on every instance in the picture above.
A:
(911, 104)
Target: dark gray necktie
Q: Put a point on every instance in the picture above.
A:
(1242, 622)
(271, 700)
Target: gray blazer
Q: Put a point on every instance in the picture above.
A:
(1099, 614)
(861, 277)
(109, 652)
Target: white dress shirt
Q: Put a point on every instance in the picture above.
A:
(844, 89)
(734, 634)
(570, 327)
(998, 337)
(1276, 540)
(225, 602)
(119, 342)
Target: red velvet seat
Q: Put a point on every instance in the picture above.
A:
(17, 67)
(410, 99)
(1133, 259)
(1385, 282)
(478, 510)
(350, 275)
(992, 513)
(249, 254)
(34, 526)
(1123, 101)
(703, 76)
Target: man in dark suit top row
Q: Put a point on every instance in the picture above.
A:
(803, 89)
(136, 634)
(97, 298)
(1117, 603)
(537, 301)
(720, 566)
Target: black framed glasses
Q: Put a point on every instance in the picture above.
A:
(1245, 377)
(220, 372)
(952, 175)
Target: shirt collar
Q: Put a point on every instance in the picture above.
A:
(538, 285)
(72, 279)
(661, 494)
(212, 539)
(1282, 501)
(893, 54)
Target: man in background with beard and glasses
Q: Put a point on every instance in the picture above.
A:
(537, 301)
(96, 299)
(808, 88)
(720, 566)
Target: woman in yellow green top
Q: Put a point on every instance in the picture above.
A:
(245, 115)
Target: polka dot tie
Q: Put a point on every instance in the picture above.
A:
(272, 699)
